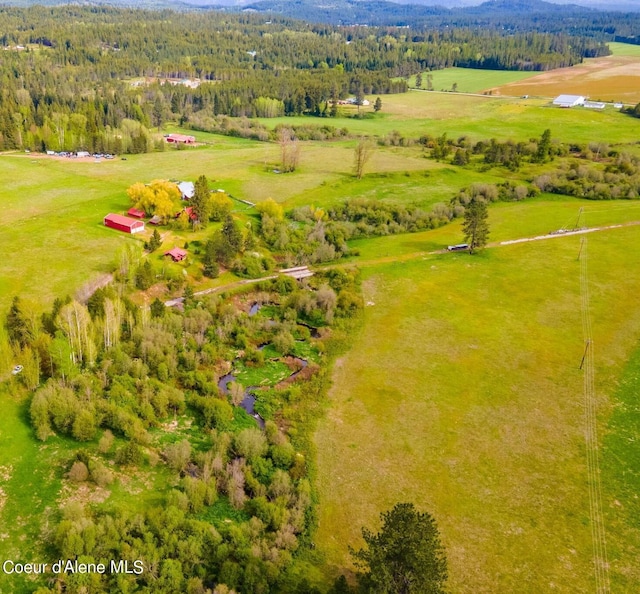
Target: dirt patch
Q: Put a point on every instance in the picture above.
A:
(84, 493)
(5, 473)
(614, 78)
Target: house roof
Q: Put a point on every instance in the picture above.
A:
(177, 253)
(181, 137)
(187, 188)
(189, 211)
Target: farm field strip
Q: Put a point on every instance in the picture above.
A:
(598, 529)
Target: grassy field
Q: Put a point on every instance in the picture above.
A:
(624, 49)
(421, 112)
(470, 80)
(463, 394)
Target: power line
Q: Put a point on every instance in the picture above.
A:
(598, 533)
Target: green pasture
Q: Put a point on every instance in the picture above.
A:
(435, 183)
(462, 394)
(624, 49)
(417, 113)
(470, 80)
(507, 221)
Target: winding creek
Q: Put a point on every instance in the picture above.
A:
(249, 399)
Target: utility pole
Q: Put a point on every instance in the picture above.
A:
(586, 348)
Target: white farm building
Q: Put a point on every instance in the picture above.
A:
(569, 100)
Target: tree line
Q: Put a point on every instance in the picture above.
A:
(90, 78)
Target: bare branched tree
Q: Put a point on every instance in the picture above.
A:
(363, 151)
(289, 150)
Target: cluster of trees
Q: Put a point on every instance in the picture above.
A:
(109, 375)
(506, 191)
(65, 78)
(163, 199)
(633, 111)
(309, 235)
(509, 154)
(620, 178)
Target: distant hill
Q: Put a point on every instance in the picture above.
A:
(373, 12)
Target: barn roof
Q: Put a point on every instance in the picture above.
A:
(568, 99)
(120, 220)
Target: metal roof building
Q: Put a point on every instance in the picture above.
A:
(568, 100)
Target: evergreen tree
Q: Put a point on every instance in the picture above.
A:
(157, 308)
(476, 227)
(544, 147)
(201, 200)
(144, 276)
(16, 324)
(405, 557)
(232, 234)
(155, 242)
(377, 106)
(211, 268)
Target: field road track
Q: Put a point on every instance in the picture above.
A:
(417, 255)
(598, 532)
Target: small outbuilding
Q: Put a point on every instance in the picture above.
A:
(594, 104)
(298, 272)
(136, 213)
(568, 100)
(177, 254)
(121, 223)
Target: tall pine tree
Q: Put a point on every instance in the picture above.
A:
(476, 227)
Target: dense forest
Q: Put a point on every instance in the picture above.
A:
(95, 78)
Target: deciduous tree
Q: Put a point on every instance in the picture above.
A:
(362, 154)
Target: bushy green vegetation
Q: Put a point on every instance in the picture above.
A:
(457, 395)
(108, 377)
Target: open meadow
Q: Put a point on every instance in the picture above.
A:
(418, 113)
(463, 394)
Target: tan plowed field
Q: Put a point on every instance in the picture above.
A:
(614, 78)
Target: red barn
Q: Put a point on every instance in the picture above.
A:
(116, 221)
(136, 213)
